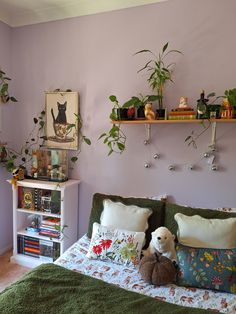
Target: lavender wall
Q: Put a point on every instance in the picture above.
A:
(93, 55)
(5, 189)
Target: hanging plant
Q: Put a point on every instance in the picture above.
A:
(4, 93)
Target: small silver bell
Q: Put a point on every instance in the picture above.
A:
(146, 142)
(156, 156)
(206, 155)
(191, 167)
(214, 167)
(147, 165)
(171, 167)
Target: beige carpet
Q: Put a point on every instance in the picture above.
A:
(9, 272)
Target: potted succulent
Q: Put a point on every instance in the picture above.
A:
(4, 93)
(159, 73)
(138, 102)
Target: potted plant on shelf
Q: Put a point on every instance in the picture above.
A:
(115, 138)
(139, 103)
(230, 94)
(117, 112)
(159, 73)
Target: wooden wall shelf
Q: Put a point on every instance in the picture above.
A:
(172, 121)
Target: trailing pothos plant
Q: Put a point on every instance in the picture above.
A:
(115, 138)
(12, 158)
(4, 92)
(192, 139)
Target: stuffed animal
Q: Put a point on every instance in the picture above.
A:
(148, 112)
(162, 242)
(157, 269)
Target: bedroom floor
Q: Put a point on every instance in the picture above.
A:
(9, 272)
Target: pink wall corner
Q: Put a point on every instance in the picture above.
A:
(94, 55)
(5, 189)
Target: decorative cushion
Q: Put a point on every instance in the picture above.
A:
(127, 217)
(172, 209)
(157, 269)
(207, 268)
(154, 221)
(196, 231)
(115, 245)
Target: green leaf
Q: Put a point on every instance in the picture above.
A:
(87, 140)
(188, 138)
(35, 120)
(13, 99)
(141, 51)
(113, 98)
(26, 151)
(74, 159)
(121, 146)
(165, 47)
(110, 152)
(102, 135)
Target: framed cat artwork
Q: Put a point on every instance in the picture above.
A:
(62, 120)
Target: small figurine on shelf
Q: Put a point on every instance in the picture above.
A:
(34, 223)
(226, 110)
(183, 102)
(17, 174)
(149, 113)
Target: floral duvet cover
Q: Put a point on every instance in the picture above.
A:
(128, 278)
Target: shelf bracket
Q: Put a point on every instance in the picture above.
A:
(213, 136)
(148, 134)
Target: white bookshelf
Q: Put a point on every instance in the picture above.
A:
(68, 216)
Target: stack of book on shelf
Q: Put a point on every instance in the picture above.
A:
(28, 246)
(46, 251)
(186, 113)
(50, 227)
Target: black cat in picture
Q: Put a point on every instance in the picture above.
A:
(61, 117)
(60, 125)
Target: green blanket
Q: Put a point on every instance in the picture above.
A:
(52, 289)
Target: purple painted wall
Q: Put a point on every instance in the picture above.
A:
(93, 55)
(5, 189)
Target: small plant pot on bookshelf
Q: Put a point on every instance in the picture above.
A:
(161, 114)
(140, 113)
(122, 113)
(213, 111)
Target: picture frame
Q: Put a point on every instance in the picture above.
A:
(61, 109)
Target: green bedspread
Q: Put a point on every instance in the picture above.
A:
(53, 289)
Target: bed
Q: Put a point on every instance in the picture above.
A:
(78, 284)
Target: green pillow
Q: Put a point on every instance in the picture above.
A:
(154, 221)
(172, 209)
(207, 268)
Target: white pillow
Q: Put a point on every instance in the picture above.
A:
(127, 217)
(115, 245)
(200, 232)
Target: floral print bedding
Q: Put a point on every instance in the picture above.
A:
(128, 278)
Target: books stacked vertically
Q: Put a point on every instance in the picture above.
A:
(49, 251)
(50, 227)
(28, 246)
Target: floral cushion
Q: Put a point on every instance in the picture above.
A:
(207, 268)
(115, 245)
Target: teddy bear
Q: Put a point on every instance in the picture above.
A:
(148, 112)
(162, 242)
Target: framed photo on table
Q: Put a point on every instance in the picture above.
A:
(62, 110)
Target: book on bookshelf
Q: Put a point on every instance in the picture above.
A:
(39, 200)
(47, 251)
